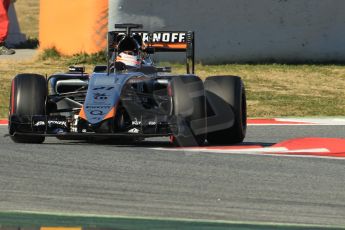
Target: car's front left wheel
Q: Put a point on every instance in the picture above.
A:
(28, 98)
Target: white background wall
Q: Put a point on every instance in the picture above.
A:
(246, 30)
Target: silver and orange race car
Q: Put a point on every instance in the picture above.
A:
(130, 97)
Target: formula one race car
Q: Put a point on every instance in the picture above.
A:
(130, 98)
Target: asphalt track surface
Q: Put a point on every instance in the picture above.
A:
(74, 177)
(20, 55)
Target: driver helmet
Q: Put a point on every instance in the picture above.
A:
(129, 58)
(129, 52)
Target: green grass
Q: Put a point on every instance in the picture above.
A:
(4, 98)
(83, 58)
(48, 54)
(77, 59)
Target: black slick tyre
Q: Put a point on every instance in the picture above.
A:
(189, 110)
(227, 110)
(28, 98)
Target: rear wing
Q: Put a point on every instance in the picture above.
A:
(159, 41)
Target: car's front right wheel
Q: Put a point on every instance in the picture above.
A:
(227, 110)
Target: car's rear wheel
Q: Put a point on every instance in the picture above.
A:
(189, 110)
(28, 98)
(227, 110)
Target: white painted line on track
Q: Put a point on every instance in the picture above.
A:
(296, 121)
(264, 153)
(249, 150)
(315, 121)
